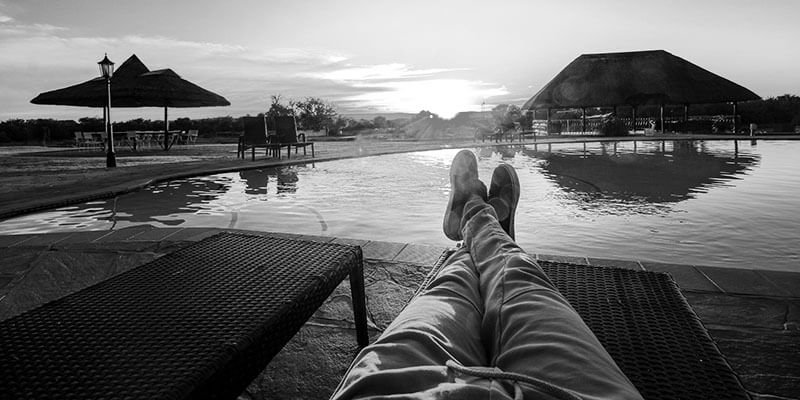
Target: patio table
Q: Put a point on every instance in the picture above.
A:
(201, 322)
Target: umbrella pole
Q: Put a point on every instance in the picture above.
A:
(166, 130)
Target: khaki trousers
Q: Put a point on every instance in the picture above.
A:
(490, 326)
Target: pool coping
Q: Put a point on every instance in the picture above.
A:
(691, 278)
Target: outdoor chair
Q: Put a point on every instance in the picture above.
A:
(79, 141)
(255, 136)
(484, 133)
(286, 135)
(199, 323)
(95, 139)
(145, 139)
(131, 139)
(646, 325)
(191, 136)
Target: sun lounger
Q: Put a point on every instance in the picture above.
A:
(645, 323)
(201, 322)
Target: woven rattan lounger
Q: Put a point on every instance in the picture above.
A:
(201, 322)
(645, 323)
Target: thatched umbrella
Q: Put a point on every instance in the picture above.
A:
(134, 85)
(633, 79)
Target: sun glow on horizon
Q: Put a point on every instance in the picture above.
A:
(445, 97)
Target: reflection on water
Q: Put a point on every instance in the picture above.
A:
(641, 176)
(721, 203)
(257, 180)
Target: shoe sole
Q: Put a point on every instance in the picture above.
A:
(452, 221)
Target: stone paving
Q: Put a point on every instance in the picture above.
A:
(754, 316)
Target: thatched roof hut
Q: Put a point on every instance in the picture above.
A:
(134, 85)
(635, 78)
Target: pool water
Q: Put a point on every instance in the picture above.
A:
(718, 203)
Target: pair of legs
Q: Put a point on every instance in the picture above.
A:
(491, 325)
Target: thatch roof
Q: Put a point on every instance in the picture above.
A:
(134, 85)
(635, 78)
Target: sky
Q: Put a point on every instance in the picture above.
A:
(373, 56)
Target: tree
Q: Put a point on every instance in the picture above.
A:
(277, 109)
(505, 116)
(380, 122)
(315, 114)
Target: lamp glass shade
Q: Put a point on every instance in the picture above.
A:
(106, 67)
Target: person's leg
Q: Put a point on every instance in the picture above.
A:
(441, 324)
(528, 327)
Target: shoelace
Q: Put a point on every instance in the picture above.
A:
(548, 388)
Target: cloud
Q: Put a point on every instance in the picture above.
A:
(378, 72)
(46, 57)
(401, 87)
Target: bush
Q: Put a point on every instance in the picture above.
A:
(612, 126)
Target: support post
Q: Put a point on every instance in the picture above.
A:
(735, 123)
(583, 120)
(686, 118)
(357, 293)
(662, 119)
(633, 119)
(547, 128)
(166, 130)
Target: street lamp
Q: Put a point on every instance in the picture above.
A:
(107, 70)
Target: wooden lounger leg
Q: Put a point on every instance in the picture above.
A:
(359, 304)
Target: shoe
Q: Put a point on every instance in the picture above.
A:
(464, 185)
(504, 196)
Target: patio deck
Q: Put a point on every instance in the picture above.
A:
(753, 315)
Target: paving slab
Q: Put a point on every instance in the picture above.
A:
(121, 235)
(742, 281)
(188, 234)
(47, 239)
(17, 260)
(14, 240)
(420, 254)
(686, 276)
(787, 281)
(5, 280)
(742, 311)
(382, 250)
(84, 237)
(766, 361)
(155, 235)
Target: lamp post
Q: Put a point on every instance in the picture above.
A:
(107, 70)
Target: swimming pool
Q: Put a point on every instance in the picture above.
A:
(719, 203)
